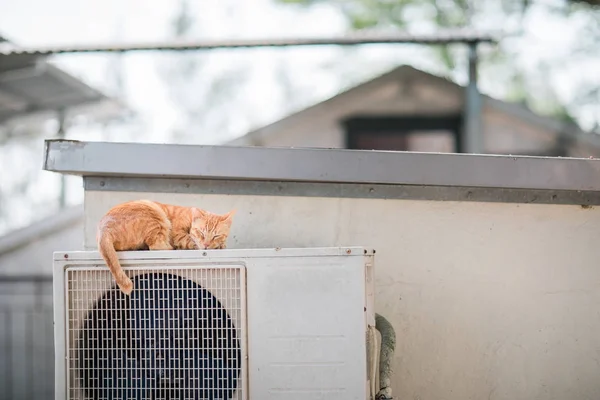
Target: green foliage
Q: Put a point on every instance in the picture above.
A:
(500, 61)
(200, 91)
(301, 2)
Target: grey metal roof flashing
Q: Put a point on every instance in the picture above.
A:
(132, 160)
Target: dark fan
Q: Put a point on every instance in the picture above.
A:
(171, 339)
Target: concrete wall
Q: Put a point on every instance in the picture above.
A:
(489, 300)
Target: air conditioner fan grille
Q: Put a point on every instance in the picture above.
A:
(177, 336)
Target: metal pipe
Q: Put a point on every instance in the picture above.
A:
(447, 37)
(472, 134)
(61, 134)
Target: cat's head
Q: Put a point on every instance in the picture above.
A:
(210, 231)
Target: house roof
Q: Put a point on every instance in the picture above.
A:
(406, 72)
(40, 229)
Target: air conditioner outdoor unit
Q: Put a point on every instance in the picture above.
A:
(253, 324)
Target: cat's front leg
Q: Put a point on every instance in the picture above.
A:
(193, 243)
(185, 241)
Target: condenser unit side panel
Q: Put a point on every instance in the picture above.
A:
(306, 328)
(60, 328)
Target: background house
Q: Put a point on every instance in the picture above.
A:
(28, 251)
(408, 109)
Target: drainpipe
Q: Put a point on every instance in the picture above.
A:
(386, 355)
(472, 132)
(61, 134)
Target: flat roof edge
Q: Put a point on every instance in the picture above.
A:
(320, 165)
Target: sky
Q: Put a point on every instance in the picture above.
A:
(314, 73)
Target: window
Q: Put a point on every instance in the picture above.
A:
(425, 134)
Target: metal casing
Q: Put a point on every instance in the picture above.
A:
(304, 313)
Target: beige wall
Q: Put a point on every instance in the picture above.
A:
(505, 134)
(584, 150)
(489, 300)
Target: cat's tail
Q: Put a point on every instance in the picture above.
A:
(108, 252)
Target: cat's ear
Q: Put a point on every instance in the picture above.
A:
(198, 213)
(227, 217)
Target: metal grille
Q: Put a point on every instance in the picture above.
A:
(180, 335)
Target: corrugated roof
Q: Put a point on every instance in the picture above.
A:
(41, 87)
(30, 85)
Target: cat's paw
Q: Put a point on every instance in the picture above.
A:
(194, 243)
(126, 285)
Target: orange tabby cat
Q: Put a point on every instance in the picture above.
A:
(149, 225)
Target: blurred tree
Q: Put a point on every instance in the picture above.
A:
(204, 95)
(20, 200)
(590, 2)
(505, 62)
(216, 92)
